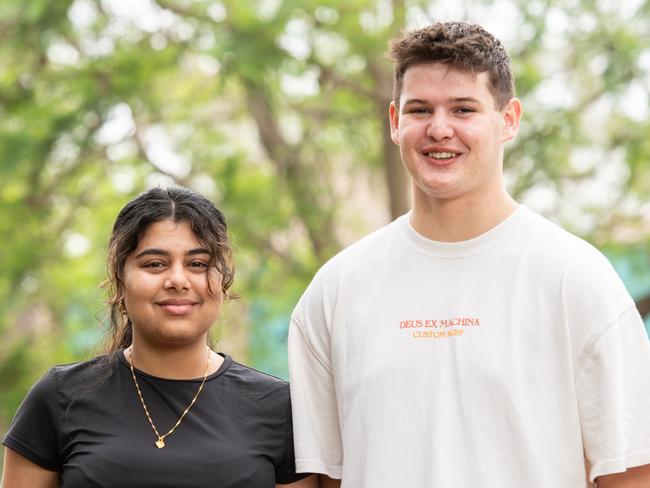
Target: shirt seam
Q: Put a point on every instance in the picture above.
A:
(589, 349)
(421, 252)
(307, 344)
(286, 437)
(280, 380)
(58, 432)
(404, 228)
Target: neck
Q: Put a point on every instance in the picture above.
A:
(173, 363)
(454, 220)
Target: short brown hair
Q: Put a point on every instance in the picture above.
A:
(464, 46)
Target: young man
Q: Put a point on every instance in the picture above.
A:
(470, 343)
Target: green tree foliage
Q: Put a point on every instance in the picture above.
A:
(276, 109)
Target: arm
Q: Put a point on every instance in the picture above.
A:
(612, 375)
(316, 425)
(18, 472)
(316, 481)
(310, 481)
(638, 477)
(327, 482)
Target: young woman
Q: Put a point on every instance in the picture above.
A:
(161, 409)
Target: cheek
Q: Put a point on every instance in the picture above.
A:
(137, 287)
(471, 134)
(215, 279)
(409, 137)
(411, 130)
(216, 296)
(212, 306)
(129, 288)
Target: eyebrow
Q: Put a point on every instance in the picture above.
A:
(465, 100)
(451, 100)
(161, 252)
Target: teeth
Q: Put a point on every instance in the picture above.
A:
(440, 155)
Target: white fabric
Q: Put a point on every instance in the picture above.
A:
(515, 359)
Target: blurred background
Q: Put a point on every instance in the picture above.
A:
(277, 111)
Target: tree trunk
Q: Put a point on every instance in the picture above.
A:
(643, 305)
(397, 180)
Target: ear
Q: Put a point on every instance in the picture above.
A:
(393, 115)
(511, 118)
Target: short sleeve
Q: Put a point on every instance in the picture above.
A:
(317, 432)
(33, 433)
(285, 472)
(613, 388)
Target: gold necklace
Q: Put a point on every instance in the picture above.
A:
(160, 443)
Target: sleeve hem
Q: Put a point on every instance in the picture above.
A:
(28, 454)
(619, 464)
(316, 466)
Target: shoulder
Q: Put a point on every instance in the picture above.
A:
(592, 289)
(36, 431)
(559, 249)
(70, 375)
(83, 373)
(358, 259)
(254, 382)
(253, 393)
(554, 240)
(42, 391)
(68, 382)
(367, 249)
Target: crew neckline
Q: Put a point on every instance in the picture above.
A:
(459, 249)
(225, 365)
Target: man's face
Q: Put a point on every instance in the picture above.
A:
(451, 134)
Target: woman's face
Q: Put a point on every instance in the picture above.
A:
(166, 287)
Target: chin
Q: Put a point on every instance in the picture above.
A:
(440, 189)
(181, 337)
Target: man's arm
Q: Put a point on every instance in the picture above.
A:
(638, 477)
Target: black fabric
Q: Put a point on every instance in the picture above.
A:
(85, 420)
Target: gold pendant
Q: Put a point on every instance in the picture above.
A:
(160, 443)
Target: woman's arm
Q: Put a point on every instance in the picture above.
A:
(327, 482)
(313, 481)
(18, 472)
(310, 481)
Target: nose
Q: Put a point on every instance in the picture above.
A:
(176, 278)
(440, 127)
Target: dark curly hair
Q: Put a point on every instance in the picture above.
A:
(177, 204)
(464, 46)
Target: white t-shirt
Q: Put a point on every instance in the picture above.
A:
(515, 359)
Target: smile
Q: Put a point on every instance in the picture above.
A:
(441, 155)
(441, 159)
(177, 307)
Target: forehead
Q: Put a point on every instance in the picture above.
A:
(437, 80)
(168, 233)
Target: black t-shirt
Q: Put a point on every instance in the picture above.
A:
(85, 420)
